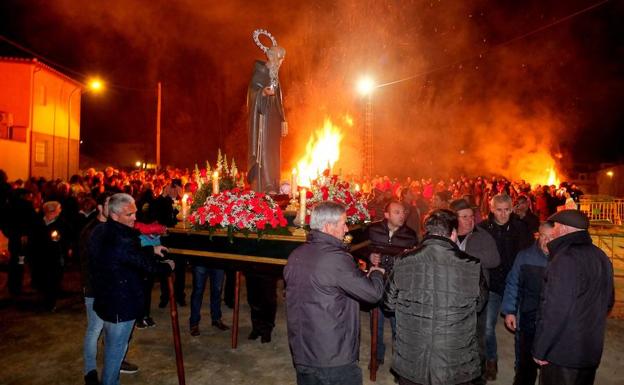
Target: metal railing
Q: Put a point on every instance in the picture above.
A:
(603, 210)
(611, 240)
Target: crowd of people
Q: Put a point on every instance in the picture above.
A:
(446, 259)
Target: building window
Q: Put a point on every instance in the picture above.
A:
(41, 152)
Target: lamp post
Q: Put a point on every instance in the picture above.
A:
(365, 87)
(94, 85)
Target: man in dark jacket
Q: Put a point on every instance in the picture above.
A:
(511, 236)
(323, 287)
(49, 245)
(521, 302)
(435, 291)
(118, 265)
(389, 238)
(523, 211)
(577, 296)
(478, 243)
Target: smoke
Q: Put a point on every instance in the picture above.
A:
(471, 105)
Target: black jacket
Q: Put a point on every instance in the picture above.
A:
(510, 239)
(578, 294)
(323, 287)
(83, 256)
(118, 265)
(379, 235)
(435, 291)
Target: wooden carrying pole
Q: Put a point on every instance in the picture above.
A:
(176, 331)
(373, 357)
(236, 309)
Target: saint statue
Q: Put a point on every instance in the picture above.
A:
(266, 121)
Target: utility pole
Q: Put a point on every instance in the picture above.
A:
(158, 110)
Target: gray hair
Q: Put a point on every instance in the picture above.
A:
(118, 201)
(500, 198)
(324, 213)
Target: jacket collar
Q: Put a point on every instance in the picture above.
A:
(316, 236)
(575, 238)
(121, 227)
(439, 240)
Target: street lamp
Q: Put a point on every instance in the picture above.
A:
(94, 85)
(365, 87)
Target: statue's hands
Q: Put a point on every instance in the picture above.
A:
(268, 91)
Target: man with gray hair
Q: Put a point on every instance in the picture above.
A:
(323, 288)
(118, 265)
(511, 235)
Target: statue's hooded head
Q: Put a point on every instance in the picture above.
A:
(276, 55)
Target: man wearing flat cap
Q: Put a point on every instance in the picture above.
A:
(577, 296)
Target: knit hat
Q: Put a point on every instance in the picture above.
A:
(573, 218)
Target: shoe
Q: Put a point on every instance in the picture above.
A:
(149, 321)
(220, 325)
(266, 338)
(128, 368)
(195, 330)
(253, 335)
(163, 303)
(141, 324)
(181, 302)
(491, 370)
(91, 378)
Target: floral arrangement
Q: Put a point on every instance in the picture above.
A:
(238, 210)
(229, 178)
(333, 189)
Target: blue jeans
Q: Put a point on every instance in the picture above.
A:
(381, 347)
(200, 274)
(350, 374)
(116, 336)
(493, 310)
(94, 328)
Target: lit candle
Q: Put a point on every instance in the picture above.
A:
(293, 183)
(357, 187)
(54, 235)
(184, 207)
(215, 182)
(302, 206)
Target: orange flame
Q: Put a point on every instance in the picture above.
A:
(539, 168)
(322, 152)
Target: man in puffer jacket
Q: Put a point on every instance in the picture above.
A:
(435, 291)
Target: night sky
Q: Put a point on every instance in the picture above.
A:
(490, 85)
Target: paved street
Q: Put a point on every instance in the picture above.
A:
(45, 348)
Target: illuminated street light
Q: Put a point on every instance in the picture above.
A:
(95, 85)
(610, 174)
(365, 85)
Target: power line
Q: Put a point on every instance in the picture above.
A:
(53, 63)
(520, 37)
(40, 57)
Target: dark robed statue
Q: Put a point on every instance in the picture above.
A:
(266, 121)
